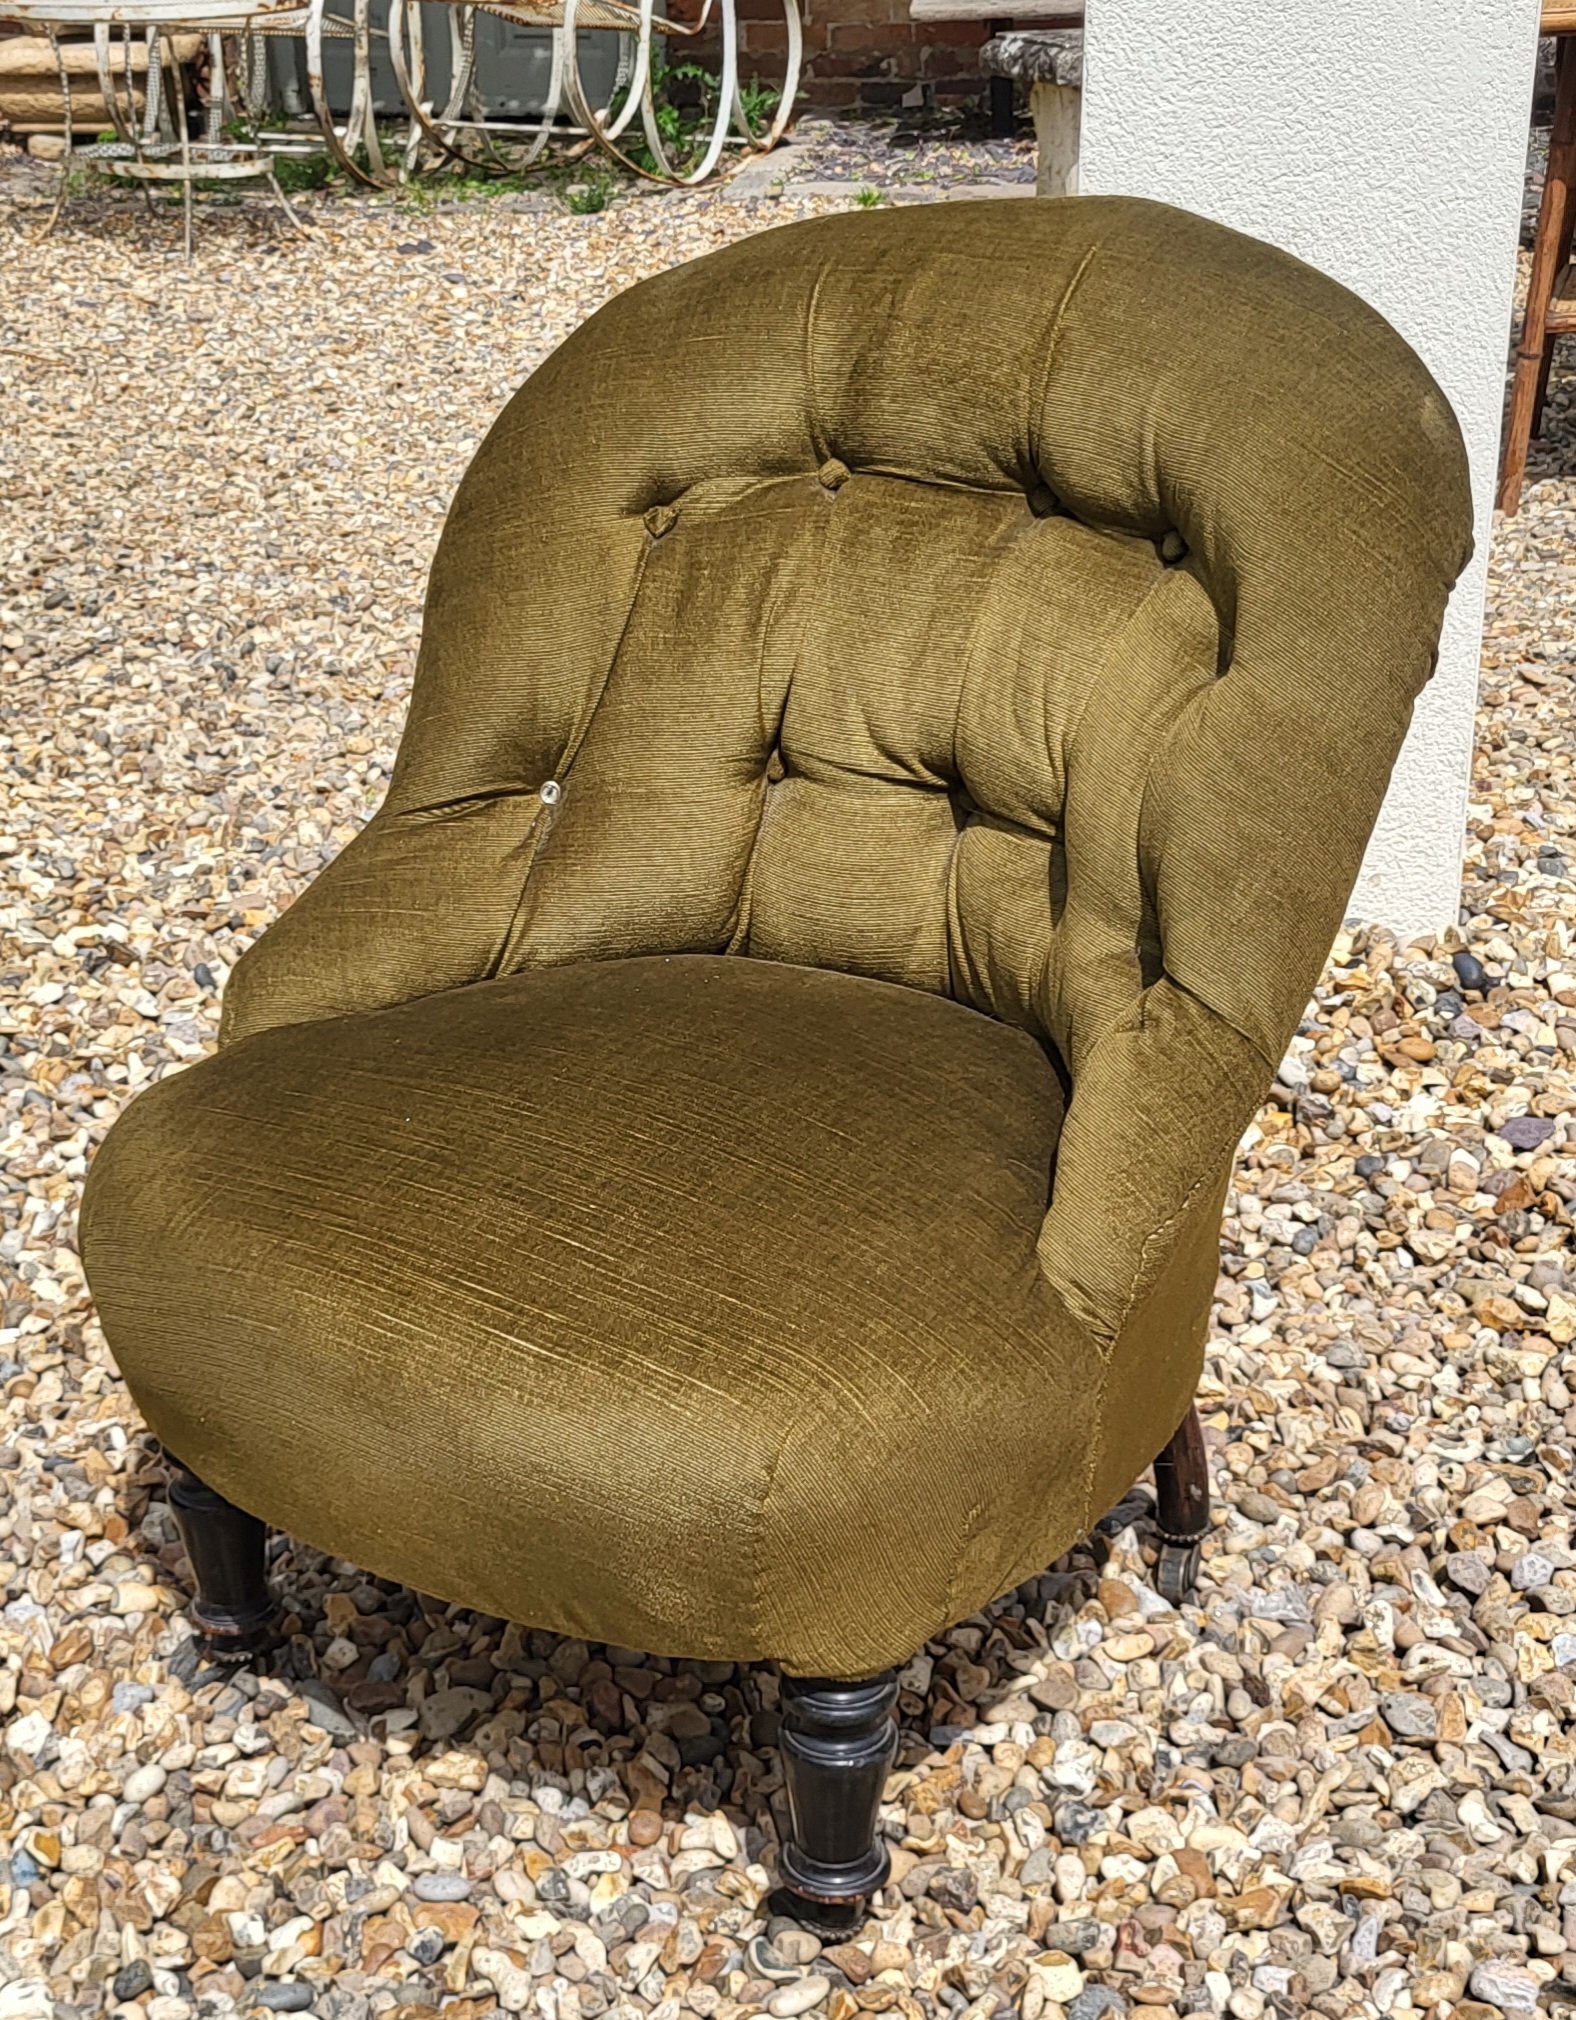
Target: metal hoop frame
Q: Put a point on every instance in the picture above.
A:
(460, 131)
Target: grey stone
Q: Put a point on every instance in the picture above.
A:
(443, 1714)
(1281, 1602)
(1095, 2002)
(1078, 1936)
(1516, 1758)
(1469, 1571)
(1035, 55)
(1409, 1715)
(133, 1979)
(1525, 1132)
(441, 1886)
(289, 1995)
(1530, 1568)
(954, 1887)
(326, 1712)
(765, 174)
(1077, 1822)
(1364, 1946)
(1504, 1984)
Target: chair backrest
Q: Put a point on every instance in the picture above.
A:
(1024, 601)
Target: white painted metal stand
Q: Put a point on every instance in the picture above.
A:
(157, 147)
(160, 148)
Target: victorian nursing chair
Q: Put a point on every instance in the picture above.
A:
(730, 1160)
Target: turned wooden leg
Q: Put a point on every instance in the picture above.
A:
(1531, 376)
(838, 1743)
(1181, 1507)
(233, 1609)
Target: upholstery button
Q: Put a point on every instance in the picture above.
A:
(551, 793)
(1172, 546)
(659, 520)
(833, 473)
(1043, 502)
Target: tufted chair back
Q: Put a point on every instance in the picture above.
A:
(1021, 602)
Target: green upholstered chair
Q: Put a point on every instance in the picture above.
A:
(729, 1161)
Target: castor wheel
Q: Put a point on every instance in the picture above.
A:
(837, 1921)
(1181, 1509)
(1176, 1570)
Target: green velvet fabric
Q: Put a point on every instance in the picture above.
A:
(978, 638)
(631, 1280)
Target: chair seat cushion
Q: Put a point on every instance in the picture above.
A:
(686, 1303)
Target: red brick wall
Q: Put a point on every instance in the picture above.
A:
(865, 55)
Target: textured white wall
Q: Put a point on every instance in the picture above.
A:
(1383, 141)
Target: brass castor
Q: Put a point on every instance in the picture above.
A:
(1176, 1570)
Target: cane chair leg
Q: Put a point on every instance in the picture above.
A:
(838, 1743)
(234, 1609)
(1181, 1508)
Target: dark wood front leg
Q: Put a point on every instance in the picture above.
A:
(234, 1609)
(838, 1744)
(1182, 1507)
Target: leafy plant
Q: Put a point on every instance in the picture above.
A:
(296, 172)
(590, 193)
(684, 97)
(867, 198)
(760, 102)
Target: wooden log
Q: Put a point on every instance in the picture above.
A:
(30, 81)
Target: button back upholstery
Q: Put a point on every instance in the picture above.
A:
(1010, 609)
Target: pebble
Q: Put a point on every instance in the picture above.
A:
(1468, 1570)
(1409, 1717)
(1367, 1701)
(1060, 1978)
(1504, 1984)
(1077, 1937)
(798, 1998)
(288, 1996)
(441, 1887)
(1097, 2002)
(132, 1980)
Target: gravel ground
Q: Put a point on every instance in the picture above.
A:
(948, 151)
(1344, 1781)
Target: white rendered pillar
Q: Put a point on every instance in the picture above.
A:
(1383, 141)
